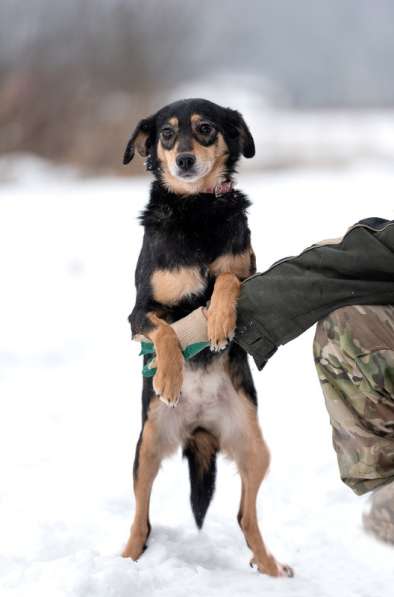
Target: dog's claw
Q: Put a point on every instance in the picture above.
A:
(220, 345)
(221, 328)
(282, 570)
(168, 387)
(169, 403)
(288, 571)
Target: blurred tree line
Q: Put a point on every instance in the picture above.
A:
(75, 76)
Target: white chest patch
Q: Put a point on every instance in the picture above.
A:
(208, 400)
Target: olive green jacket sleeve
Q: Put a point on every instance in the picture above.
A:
(278, 305)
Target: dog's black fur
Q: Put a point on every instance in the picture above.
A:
(190, 231)
(186, 232)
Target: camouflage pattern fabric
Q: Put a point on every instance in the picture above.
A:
(380, 519)
(354, 355)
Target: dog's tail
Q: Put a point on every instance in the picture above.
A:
(201, 450)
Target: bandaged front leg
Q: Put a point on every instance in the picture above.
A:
(192, 333)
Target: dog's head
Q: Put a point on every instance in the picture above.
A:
(191, 145)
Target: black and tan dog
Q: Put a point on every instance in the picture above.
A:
(196, 249)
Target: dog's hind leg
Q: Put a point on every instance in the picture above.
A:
(241, 504)
(252, 458)
(146, 466)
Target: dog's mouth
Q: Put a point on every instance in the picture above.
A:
(199, 170)
(190, 176)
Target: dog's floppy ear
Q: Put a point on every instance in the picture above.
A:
(247, 141)
(139, 140)
(241, 129)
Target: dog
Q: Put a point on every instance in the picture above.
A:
(196, 248)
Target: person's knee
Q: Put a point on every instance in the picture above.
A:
(340, 338)
(354, 356)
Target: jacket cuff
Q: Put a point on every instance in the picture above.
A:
(255, 343)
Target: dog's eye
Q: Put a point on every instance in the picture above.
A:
(167, 134)
(205, 128)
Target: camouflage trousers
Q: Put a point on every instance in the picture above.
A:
(354, 355)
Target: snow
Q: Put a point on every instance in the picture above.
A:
(70, 395)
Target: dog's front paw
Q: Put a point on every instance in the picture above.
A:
(221, 327)
(167, 382)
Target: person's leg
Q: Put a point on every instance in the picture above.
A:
(379, 520)
(354, 355)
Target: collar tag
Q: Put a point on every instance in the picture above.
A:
(222, 188)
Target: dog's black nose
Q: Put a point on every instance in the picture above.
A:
(185, 161)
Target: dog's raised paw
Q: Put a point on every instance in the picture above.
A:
(168, 393)
(219, 345)
(170, 403)
(168, 380)
(221, 327)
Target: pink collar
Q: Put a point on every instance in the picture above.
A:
(221, 188)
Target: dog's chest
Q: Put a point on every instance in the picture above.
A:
(208, 400)
(205, 394)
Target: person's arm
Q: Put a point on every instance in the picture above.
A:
(278, 305)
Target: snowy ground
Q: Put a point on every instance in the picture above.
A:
(70, 399)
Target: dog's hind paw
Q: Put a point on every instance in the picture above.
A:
(135, 547)
(272, 568)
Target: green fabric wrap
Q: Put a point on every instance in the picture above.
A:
(188, 353)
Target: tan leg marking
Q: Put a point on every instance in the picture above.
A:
(149, 463)
(168, 379)
(222, 313)
(252, 458)
(240, 264)
(241, 503)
